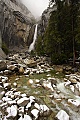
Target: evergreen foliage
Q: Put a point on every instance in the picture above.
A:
(62, 36)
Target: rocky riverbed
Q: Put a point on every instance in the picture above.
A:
(31, 89)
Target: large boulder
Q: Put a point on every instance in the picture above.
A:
(2, 54)
(30, 63)
(3, 65)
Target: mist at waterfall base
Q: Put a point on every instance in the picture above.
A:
(34, 39)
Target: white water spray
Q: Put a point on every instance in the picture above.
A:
(34, 39)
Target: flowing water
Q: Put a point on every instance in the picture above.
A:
(54, 100)
(34, 39)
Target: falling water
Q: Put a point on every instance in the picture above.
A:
(34, 39)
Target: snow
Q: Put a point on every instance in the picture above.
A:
(12, 111)
(78, 85)
(22, 100)
(37, 106)
(44, 108)
(48, 85)
(11, 102)
(31, 81)
(28, 105)
(62, 115)
(6, 99)
(4, 79)
(72, 88)
(35, 113)
(32, 98)
(26, 117)
(67, 83)
(9, 93)
(74, 102)
(6, 85)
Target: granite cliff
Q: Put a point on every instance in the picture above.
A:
(16, 23)
(43, 22)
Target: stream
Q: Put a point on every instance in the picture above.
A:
(55, 100)
(33, 83)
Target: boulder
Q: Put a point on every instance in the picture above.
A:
(7, 86)
(2, 55)
(23, 101)
(21, 70)
(12, 67)
(30, 63)
(3, 65)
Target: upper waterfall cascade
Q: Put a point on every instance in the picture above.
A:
(34, 39)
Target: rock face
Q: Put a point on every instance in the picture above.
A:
(43, 23)
(16, 22)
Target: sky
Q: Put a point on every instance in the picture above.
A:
(36, 6)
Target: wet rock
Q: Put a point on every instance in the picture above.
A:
(3, 65)
(62, 115)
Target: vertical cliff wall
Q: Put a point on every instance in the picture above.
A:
(16, 22)
(43, 23)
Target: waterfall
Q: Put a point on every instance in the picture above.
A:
(34, 39)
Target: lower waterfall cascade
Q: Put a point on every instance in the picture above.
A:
(34, 39)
